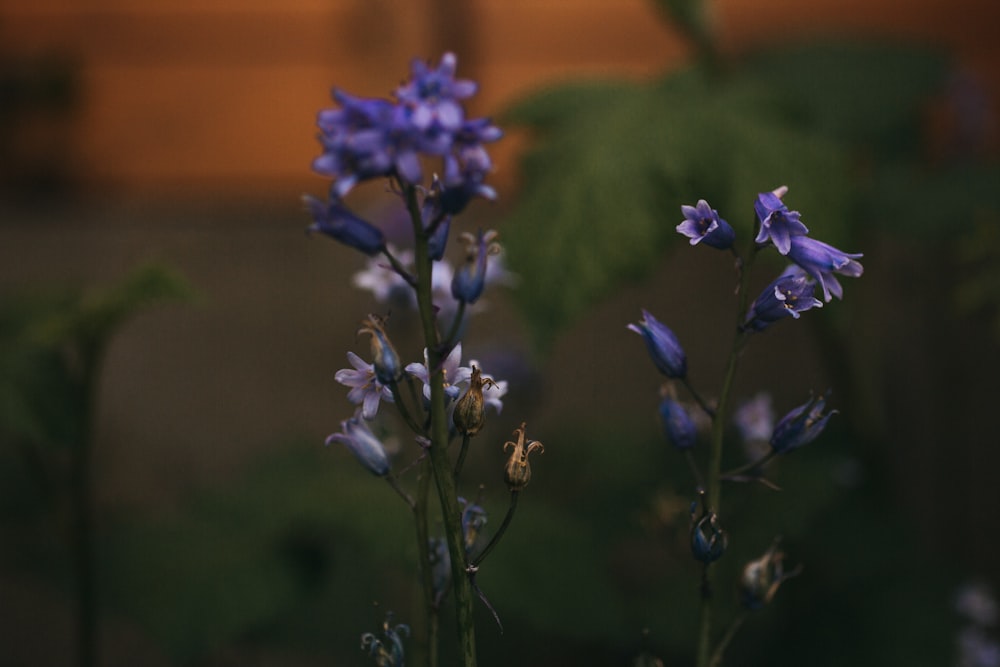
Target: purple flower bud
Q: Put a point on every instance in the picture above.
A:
(663, 346)
(801, 425)
(358, 438)
(821, 261)
(702, 224)
(790, 294)
(777, 224)
(678, 426)
(336, 221)
(470, 279)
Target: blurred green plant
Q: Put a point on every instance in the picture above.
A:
(611, 162)
(51, 351)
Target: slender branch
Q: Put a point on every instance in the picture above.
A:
(495, 540)
(466, 438)
(394, 483)
(731, 631)
(709, 410)
(750, 467)
(456, 325)
(404, 412)
(400, 269)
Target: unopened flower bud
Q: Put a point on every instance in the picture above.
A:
(663, 346)
(708, 540)
(517, 473)
(470, 279)
(761, 578)
(385, 359)
(470, 411)
(678, 426)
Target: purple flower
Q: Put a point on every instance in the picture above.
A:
(433, 94)
(470, 279)
(663, 346)
(708, 539)
(678, 426)
(801, 425)
(777, 224)
(790, 294)
(366, 389)
(702, 224)
(457, 379)
(359, 439)
(754, 418)
(357, 141)
(821, 261)
(336, 221)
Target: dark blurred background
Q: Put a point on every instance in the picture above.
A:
(181, 133)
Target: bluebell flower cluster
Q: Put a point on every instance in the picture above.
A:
(376, 138)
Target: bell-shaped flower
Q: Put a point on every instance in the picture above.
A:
(470, 279)
(702, 224)
(678, 427)
(777, 224)
(663, 346)
(821, 261)
(801, 425)
(366, 389)
(386, 360)
(367, 449)
(788, 295)
(337, 222)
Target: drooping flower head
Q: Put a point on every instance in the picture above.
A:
(788, 295)
(777, 224)
(386, 361)
(801, 425)
(663, 346)
(336, 221)
(702, 224)
(366, 447)
(517, 472)
(821, 261)
(470, 279)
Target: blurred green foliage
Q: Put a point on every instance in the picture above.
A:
(610, 164)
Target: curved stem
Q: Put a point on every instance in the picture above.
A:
(495, 540)
(731, 631)
(404, 412)
(709, 410)
(750, 467)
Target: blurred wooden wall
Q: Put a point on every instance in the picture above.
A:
(210, 96)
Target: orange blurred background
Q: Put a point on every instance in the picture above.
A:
(188, 97)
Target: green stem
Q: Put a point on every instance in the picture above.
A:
(461, 455)
(499, 534)
(713, 475)
(444, 480)
(731, 631)
(431, 608)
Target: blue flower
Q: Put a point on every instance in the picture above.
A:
(801, 425)
(663, 346)
(791, 293)
(366, 389)
(708, 539)
(359, 439)
(702, 224)
(433, 94)
(387, 652)
(678, 426)
(777, 224)
(821, 261)
(470, 278)
(357, 141)
(336, 221)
